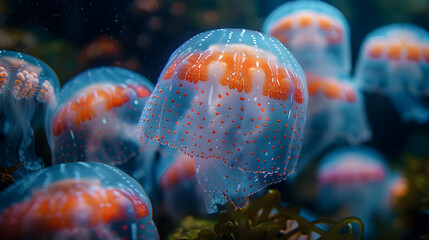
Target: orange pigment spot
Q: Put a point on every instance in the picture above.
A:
(376, 50)
(141, 92)
(280, 28)
(314, 86)
(324, 23)
(413, 53)
(394, 51)
(171, 71)
(331, 88)
(284, 25)
(305, 20)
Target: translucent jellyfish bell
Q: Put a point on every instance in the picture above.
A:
(27, 88)
(235, 101)
(176, 167)
(319, 37)
(335, 115)
(394, 61)
(96, 121)
(76, 201)
(315, 32)
(354, 179)
(180, 193)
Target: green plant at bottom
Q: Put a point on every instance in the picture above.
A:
(267, 218)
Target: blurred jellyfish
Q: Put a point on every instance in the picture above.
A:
(76, 201)
(103, 50)
(394, 61)
(96, 121)
(319, 37)
(180, 193)
(316, 33)
(235, 101)
(335, 115)
(398, 188)
(180, 167)
(28, 87)
(353, 180)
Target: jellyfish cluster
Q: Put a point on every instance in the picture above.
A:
(233, 112)
(93, 119)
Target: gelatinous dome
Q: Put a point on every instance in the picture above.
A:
(390, 50)
(352, 165)
(76, 200)
(232, 96)
(96, 121)
(335, 114)
(28, 87)
(316, 33)
(181, 169)
(26, 77)
(394, 61)
(353, 181)
(179, 191)
(319, 37)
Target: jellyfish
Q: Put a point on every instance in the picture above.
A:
(335, 115)
(394, 62)
(28, 88)
(102, 50)
(354, 180)
(76, 201)
(96, 121)
(175, 168)
(180, 193)
(235, 101)
(316, 33)
(319, 37)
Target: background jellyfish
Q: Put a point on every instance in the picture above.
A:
(319, 37)
(235, 101)
(394, 61)
(354, 181)
(180, 194)
(27, 88)
(96, 121)
(316, 33)
(335, 115)
(76, 201)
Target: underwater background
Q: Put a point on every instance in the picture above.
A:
(72, 36)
